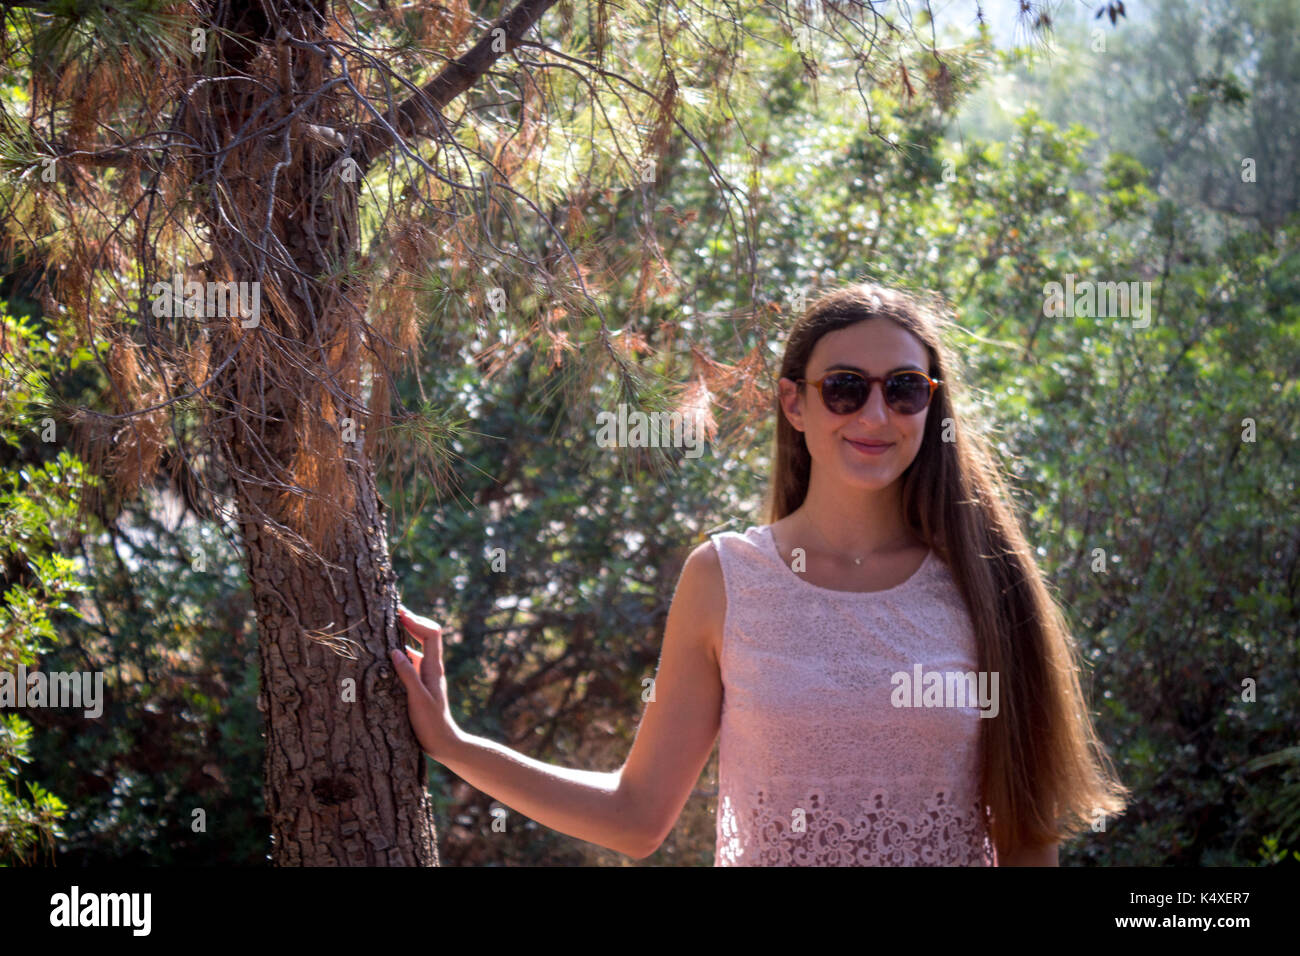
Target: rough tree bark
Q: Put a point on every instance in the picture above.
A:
(344, 772)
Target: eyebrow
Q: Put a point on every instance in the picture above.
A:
(841, 367)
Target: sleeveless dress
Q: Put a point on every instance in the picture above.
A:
(816, 765)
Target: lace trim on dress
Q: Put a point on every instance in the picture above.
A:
(876, 835)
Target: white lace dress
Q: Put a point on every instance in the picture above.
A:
(817, 766)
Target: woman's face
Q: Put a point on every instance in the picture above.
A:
(872, 347)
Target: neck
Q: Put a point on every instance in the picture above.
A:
(855, 522)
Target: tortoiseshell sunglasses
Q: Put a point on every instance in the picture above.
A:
(907, 392)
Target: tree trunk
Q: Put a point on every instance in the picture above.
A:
(344, 777)
(344, 772)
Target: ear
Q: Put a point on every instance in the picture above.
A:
(792, 402)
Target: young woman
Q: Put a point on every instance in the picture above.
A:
(890, 678)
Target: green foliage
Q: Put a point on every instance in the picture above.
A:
(160, 610)
(28, 828)
(38, 501)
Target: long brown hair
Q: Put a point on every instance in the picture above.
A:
(1044, 774)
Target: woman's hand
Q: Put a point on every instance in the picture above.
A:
(426, 688)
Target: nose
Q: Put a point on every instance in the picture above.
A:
(875, 410)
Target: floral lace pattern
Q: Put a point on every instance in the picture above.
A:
(815, 833)
(817, 763)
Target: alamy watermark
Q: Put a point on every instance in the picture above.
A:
(650, 430)
(208, 299)
(76, 909)
(74, 689)
(1090, 299)
(946, 689)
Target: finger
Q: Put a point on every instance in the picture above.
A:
(407, 673)
(405, 670)
(427, 678)
(410, 654)
(430, 666)
(421, 628)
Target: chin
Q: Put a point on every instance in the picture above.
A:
(871, 484)
(869, 479)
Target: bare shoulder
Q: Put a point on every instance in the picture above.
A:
(702, 595)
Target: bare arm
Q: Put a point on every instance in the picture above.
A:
(586, 804)
(680, 724)
(629, 810)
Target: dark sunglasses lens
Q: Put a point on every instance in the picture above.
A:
(907, 392)
(844, 393)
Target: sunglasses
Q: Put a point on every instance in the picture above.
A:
(843, 393)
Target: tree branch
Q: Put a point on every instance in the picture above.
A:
(415, 114)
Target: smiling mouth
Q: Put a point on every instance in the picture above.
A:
(871, 448)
